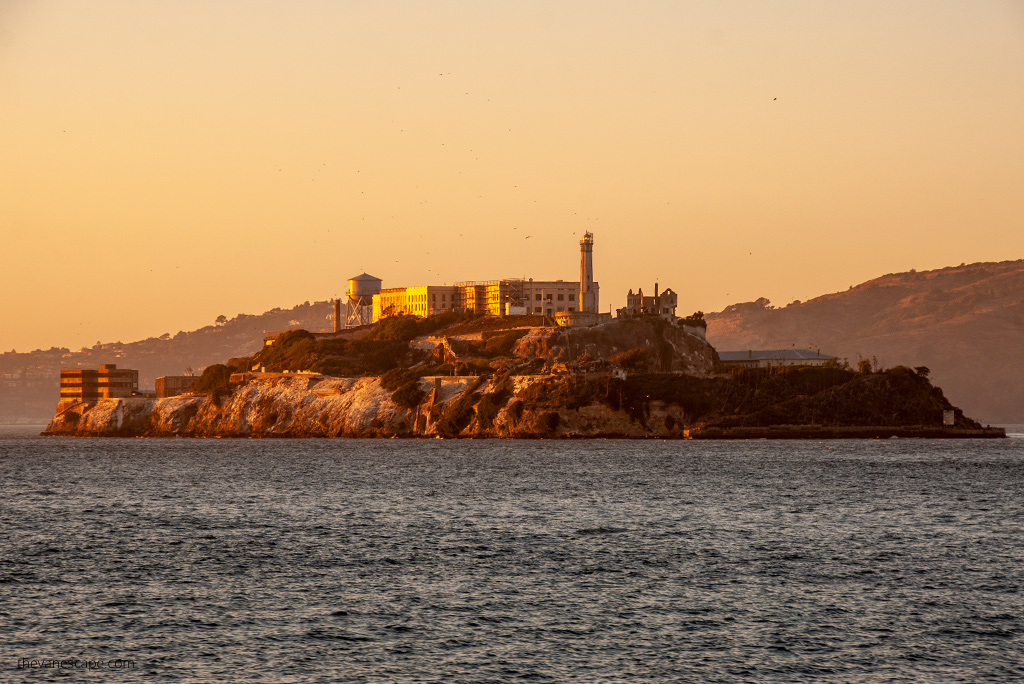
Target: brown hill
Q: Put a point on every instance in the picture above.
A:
(965, 323)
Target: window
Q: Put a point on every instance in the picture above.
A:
(549, 312)
(561, 297)
(572, 298)
(537, 297)
(572, 308)
(560, 308)
(536, 309)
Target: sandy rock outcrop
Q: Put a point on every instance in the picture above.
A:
(672, 348)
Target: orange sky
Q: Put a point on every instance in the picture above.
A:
(167, 162)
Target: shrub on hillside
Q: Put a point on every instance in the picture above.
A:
(336, 367)
(378, 356)
(632, 359)
(500, 343)
(293, 350)
(213, 379)
(240, 364)
(396, 377)
(400, 328)
(408, 395)
(405, 328)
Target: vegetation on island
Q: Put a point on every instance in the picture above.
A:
(386, 348)
(832, 395)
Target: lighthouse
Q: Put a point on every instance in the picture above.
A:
(588, 296)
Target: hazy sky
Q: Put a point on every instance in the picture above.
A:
(167, 162)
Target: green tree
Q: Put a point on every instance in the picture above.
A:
(213, 379)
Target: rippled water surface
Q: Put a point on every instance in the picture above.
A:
(497, 561)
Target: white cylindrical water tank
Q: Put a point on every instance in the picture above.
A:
(363, 287)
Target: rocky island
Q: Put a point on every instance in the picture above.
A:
(459, 375)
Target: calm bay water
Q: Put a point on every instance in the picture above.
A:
(497, 561)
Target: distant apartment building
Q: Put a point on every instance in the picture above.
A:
(173, 385)
(108, 382)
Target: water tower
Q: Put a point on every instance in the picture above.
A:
(360, 299)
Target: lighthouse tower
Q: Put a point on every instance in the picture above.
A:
(588, 297)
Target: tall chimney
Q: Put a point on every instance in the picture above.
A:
(337, 315)
(588, 300)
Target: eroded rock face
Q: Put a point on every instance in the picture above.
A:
(360, 407)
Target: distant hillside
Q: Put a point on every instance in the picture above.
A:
(29, 382)
(965, 323)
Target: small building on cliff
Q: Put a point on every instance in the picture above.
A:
(173, 385)
(661, 304)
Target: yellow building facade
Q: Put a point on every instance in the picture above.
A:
(422, 300)
(491, 297)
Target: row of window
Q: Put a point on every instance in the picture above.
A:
(561, 297)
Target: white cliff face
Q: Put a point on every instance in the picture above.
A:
(360, 407)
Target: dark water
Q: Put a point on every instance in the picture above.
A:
(492, 561)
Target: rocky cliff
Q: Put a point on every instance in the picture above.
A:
(526, 406)
(351, 407)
